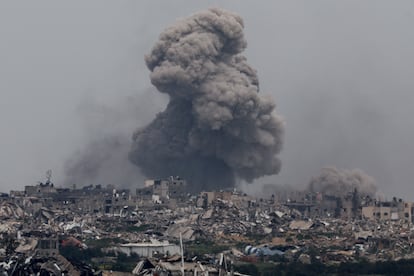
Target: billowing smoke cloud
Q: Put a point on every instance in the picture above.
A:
(216, 127)
(333, 181)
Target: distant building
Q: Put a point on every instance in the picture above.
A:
(389, 210)
(148, 249)
(346, 206)
(48, 246)
(163, 190)
(41, 189)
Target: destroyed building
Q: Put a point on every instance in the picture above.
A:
(151, 222)
(318, 204)
(41, 189)
(389, 210)
(162, 190)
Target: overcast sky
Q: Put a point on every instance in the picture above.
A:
(341, 73)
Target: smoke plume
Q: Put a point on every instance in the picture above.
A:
(216, 127)
(103, 158)
(102, 161)
(333, 181)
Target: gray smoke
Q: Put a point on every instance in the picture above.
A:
(333, 181)
(103, 159)
(216, 127)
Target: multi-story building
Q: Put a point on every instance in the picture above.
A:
(389, 210)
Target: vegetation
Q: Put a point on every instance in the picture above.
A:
(102, 243)
(121, 262)
(133, 228)
(125, 263)
(201, 247)
(401, 267)
(257, 238)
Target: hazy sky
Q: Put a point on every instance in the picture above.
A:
(341, 73)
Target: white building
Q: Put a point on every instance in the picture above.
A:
(148, 249)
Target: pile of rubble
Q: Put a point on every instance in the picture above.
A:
(273, 230)
(35, 265)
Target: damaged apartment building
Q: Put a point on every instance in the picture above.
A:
(389, 211)
(350, 206)
(163, 190)
(309, 204)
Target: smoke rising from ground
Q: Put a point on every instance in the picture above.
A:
(103, 159)
(333, 181)
(216, 127)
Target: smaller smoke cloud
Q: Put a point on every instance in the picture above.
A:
(103, 157)
(333, 181)
(103, 161)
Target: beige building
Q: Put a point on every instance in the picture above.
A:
(388, 211)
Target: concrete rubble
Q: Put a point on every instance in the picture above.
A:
(241, 227)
